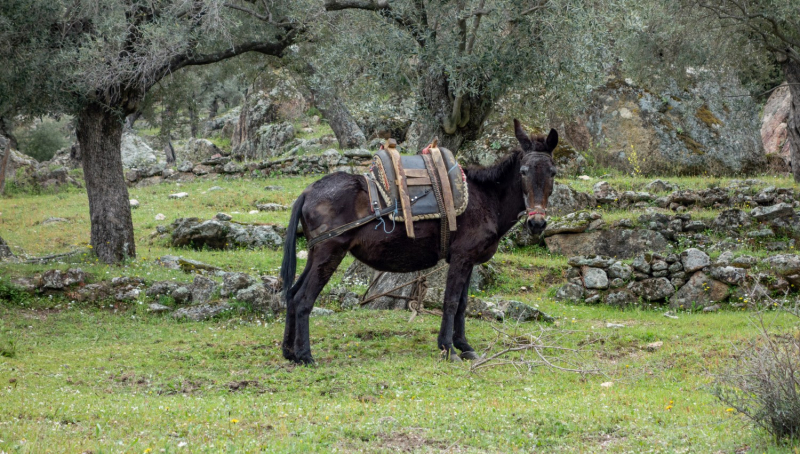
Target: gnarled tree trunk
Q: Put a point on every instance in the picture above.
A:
(438, 100)
(99, 133)
(344, 127)
(791, 69)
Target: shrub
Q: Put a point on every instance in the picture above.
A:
(763, 383)
(43, 141)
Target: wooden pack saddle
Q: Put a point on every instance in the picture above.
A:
(430, 185)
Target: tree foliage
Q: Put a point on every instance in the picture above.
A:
(553, 51)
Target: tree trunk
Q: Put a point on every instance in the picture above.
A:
(791, 69)
(4, 165)
(436, 99)
(212, 111)
(193, 119)
(344, 127)
(99, 133)
(131, 119)
(169, 152)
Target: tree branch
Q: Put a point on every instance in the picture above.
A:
(475, 24)
(371, 5)
(382, 7)
(541, 4)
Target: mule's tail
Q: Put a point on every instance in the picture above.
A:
(289, 264)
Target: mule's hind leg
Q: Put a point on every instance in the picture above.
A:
(459, 332)
(287, 346)
(322, 262)
(457, 280)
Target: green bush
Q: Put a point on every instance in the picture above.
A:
(43, 141)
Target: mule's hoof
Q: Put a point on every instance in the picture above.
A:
(454, 358)
(469, 355)
(289, 354)
(304, 360)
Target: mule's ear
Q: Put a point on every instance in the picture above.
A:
(552, 140)
(522, 136)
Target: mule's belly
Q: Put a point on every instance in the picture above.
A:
(395, 252)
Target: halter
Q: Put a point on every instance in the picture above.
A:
(528, 212)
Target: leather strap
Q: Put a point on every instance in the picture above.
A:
(447, 193)
(444, 231)
(402, 189)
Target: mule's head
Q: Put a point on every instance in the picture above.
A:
(537, 171)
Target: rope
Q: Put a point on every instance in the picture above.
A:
(415, 301)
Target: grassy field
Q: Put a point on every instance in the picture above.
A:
(110, 378)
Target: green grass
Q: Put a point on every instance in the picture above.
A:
(106, 377)
(87, 379)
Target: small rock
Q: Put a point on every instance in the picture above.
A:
(744, 261)
(614, 325)
(52, 220)
(320, 312)
(223, 217)
(178, 195)
(653, 346)
(669, 314)
(772, 212)
(158, 308)
(694, 259)
(134, 204)
(570, 292)
(252, 212)
(607, 384)
(302, 255)
(160, 217)
(202, 289)
(271, 207)
(214, 188)
(200, 312)
(181, 294)
(713, 308)
(595, 278)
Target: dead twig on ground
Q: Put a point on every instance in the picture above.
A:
(547, 346)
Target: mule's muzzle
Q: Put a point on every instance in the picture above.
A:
(536, 221)
(536, 225)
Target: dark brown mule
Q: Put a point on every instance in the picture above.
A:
(519, 185)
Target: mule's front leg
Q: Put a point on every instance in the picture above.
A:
(457, 277)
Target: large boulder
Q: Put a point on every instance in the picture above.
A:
(565, 200)
(198, 150)
(774, 120)
(135, 152)
(621, 244)
(216, 234)
(705, 128)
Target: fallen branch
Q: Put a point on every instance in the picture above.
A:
(545, 344)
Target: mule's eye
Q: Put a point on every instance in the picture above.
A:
(523, 170)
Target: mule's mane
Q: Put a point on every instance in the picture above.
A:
(500, 171)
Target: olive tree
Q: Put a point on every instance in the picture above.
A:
(459, 57)
(106, 56)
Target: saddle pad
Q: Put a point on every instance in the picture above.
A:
(418, 179)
